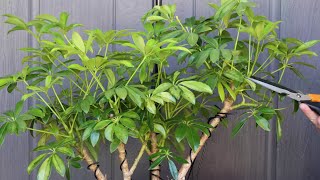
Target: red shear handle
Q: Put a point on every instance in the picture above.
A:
(314, 97)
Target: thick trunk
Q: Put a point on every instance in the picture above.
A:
(124, 163)
(93, 167)
(185, 167)
(155, 172)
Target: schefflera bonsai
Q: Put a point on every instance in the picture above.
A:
(87, 94)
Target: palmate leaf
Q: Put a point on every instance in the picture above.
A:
(162, 87)
(193, 138)
(3, 132)
(262, 122)
(77, 40)
(156, 162)
(44, 171)
(173, 169)
(58, 164)
(36, 162)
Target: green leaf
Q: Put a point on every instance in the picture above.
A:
(151, 107)
(45, 170)
(234, 75)
(262, 122)
(251, 84)
(157, 98)
(162, 87)
(226, 53)
(155, 18)
(19, 107)
(47, 17)
(295, 106)
(127, 122)
(121, 92)
(108, 133)
(111, 78)
(306, 45)
(36, 112)
(175, 91)
(202, 57)
(173, 169)
(266, 110)
(156, 162)
(48, 81)
(87, 132)
(213, 42)
(221, 92)
(64, 18)
(197, 86)
(176, 48)
(139, 42)
(160, 129)
(77, 40)
(59, 164)
(131, 114)
(230, 91)
(14, 20)
(68, 176)
(102, 124)
(26, 96)
(193, 138)
(3, 132)
(180, 159)
(65, 150)
(181, 132)
(188, 95)
(114, 145)
(11, 87)
(35, 162)
(192, 39)
(167, 97)
(5, 81)
(238, 127)
(85, 106)
(94, 138)
(305, 64)
(92, 151)
(134, 96)
(77, 67)
(279, 122)
(121, 132)
(214, 55)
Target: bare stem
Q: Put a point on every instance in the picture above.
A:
(136, 161)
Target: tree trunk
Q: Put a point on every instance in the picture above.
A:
(93, 167)
(185, 167)
(155, 172)
(124, 163)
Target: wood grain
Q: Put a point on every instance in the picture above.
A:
(14, 153)
(298, 151)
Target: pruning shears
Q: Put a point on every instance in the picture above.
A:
(312, 100)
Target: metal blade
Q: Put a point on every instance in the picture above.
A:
(280, 89)
(272, 86)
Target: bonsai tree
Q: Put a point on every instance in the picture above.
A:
(87, 95)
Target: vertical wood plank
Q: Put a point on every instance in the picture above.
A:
(298, 151)
(92, 14)
(250, 154)
(14, 154)
(127, 16)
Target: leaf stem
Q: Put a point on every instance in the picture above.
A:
(135, 71)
